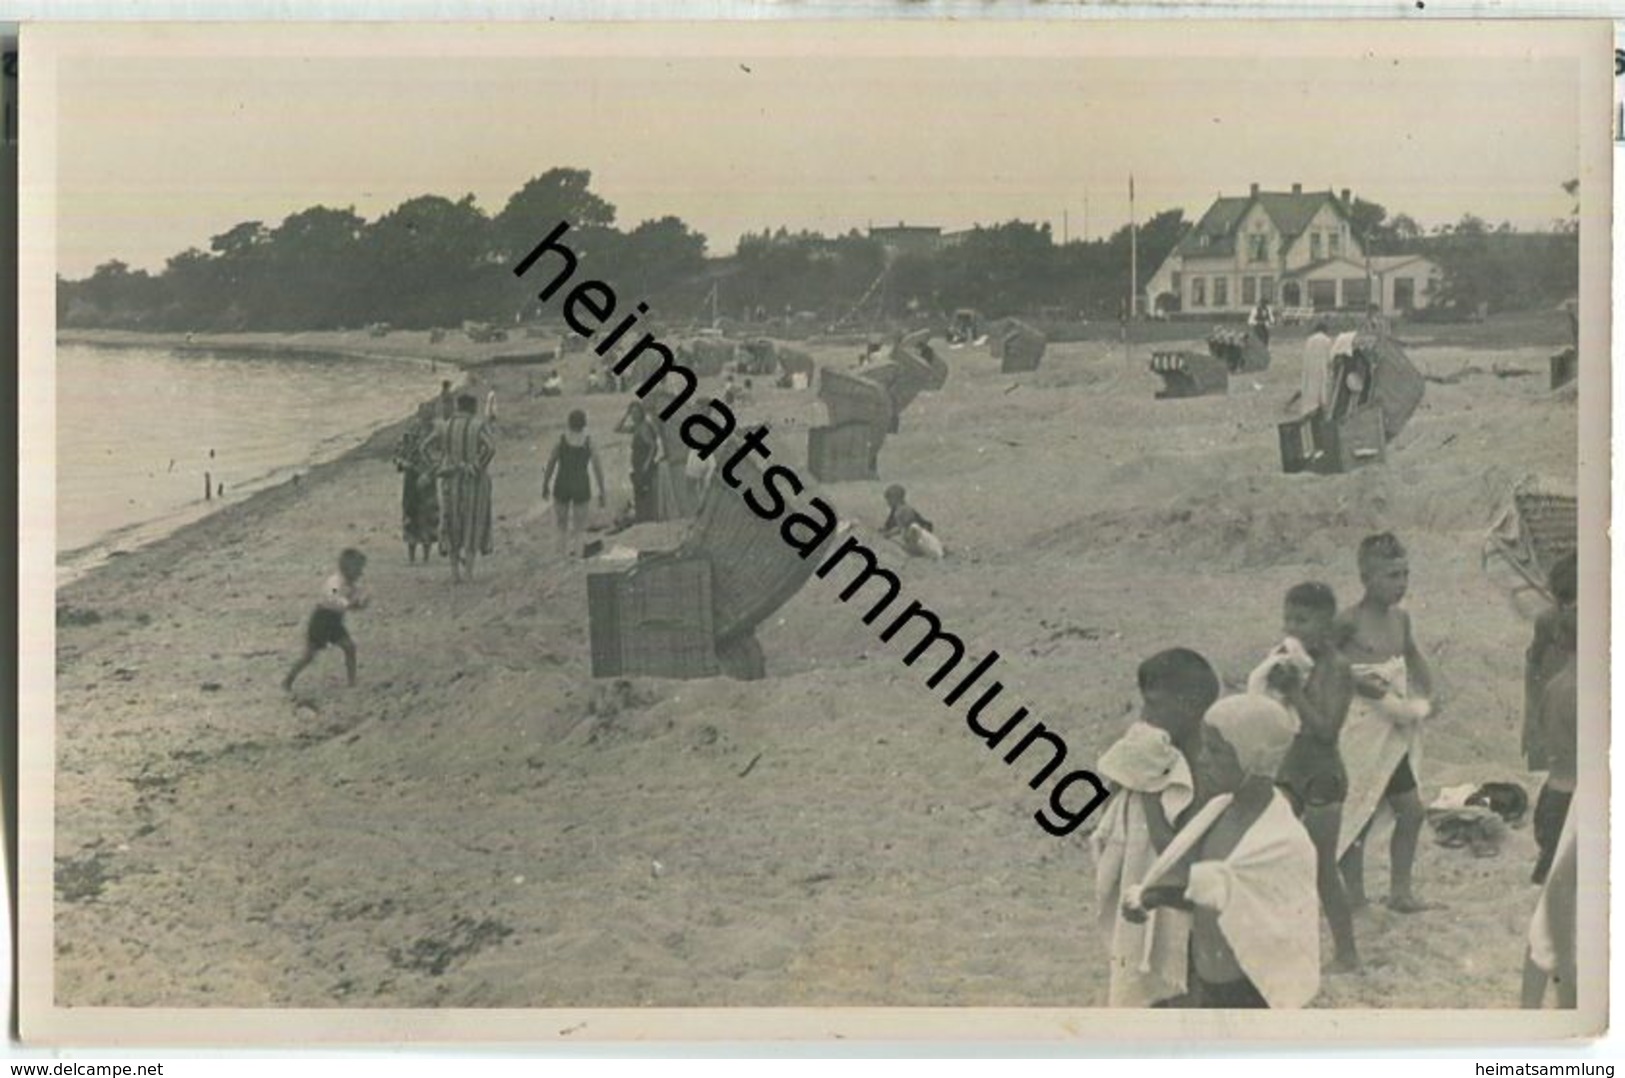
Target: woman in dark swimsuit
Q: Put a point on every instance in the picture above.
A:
(572, 456)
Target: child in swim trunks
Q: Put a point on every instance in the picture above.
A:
(1381, 741)
(1312, 773)
(342, 592)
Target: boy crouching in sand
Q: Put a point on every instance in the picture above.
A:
(906, 526)
(1152, 766)
(1255, 936)
(326, 626)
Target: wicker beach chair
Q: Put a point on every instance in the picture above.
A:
(1020, 348)
(1190, 374)
(858, 398)
(753, 570)
(1240, 350)
(1535, 528)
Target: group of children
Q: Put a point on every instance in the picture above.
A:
(1238, 821)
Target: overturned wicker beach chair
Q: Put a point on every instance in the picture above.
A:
(1189, 374)
(1536, 527)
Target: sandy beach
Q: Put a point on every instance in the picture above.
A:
(481, 824)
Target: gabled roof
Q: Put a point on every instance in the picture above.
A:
(1289, 213)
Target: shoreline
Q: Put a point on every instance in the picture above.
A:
(74, 565)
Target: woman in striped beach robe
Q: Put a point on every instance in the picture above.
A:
(466, 449)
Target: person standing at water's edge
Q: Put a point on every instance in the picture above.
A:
(341, 593)
(572, 456)
(466, 450)
(420, 500)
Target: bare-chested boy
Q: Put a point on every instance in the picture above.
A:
(1313, 772)
(1381, 741)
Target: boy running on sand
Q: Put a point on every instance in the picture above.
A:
(1312, 772)
(342, 592)
(1255, 937)
(1381, 743)
(1152, 766)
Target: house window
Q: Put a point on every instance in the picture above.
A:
(1221, 291)
(1266, 289)
(1356, 293)
(1198, 292)
(1249, 290)
(1334, 241)
(1258, 247)
(1314, 246)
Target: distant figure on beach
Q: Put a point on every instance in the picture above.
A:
(1315, 389)
(1381, 741)
(465, 452)
(645, 460)
(448, 406)
(420, 500)
(572, 458)
(1375, 323)
(1261, 320)
(908, 528)
(341, 593)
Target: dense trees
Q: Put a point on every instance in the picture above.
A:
(432, 261)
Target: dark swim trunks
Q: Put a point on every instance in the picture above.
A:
(1402, 781)
(326, 627)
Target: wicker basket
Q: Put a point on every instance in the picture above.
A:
(853, 398)
(793, 362)
(706, 356)
(842, 453)
(1537, 528)
(652, 619)
(1022, 348)
(1565, 367)
(753, 570)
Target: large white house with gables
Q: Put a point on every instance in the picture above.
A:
(1295, 249)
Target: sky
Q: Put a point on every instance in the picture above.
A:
(167, 138)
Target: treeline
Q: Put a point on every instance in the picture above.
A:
(429, 262)
(1010, 268)
(1483, 265)
(433, 262)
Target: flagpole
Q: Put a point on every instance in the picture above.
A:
(1133, 269)
(1133, 254)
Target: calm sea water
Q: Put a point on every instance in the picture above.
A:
(138, 428)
